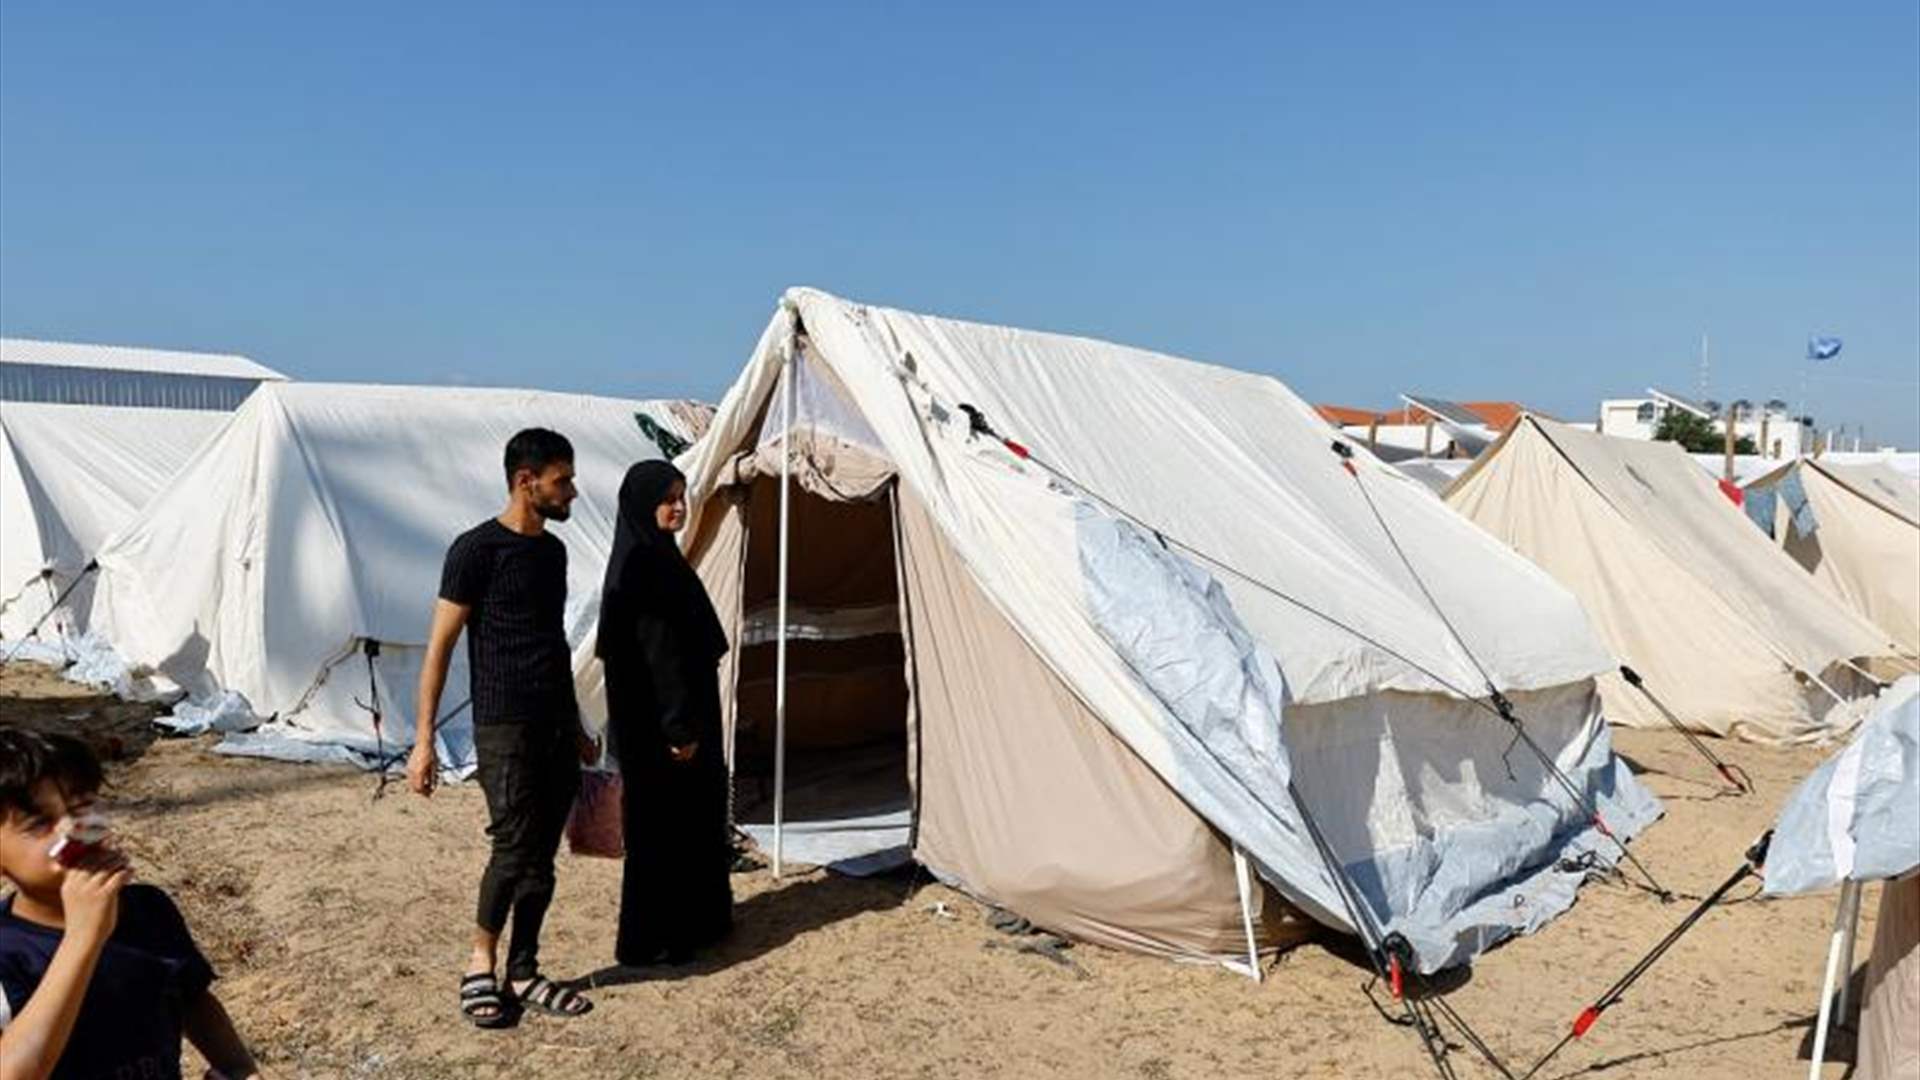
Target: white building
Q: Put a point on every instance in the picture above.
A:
(61, 373)
(1771, 425)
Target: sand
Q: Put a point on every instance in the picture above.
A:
(338, 922)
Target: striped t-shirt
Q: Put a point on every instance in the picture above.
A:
(520, 668)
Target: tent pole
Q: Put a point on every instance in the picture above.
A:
(1241, 873)
(780, 647)
(1842, 934)
(1851, 914)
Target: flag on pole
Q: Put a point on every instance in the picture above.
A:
(1823, 348)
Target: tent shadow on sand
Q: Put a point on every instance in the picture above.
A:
(1700, 788)
(768, 920)
(119, 732)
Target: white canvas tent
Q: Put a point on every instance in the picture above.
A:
(69, 476)
(1725, 629)
(1856, 820)
(1057, 711)
(315, 525)
(1856, 529)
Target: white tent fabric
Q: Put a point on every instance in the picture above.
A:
(316, 524)
(1855, 820)
(1750, 467)
(1879, 483)
(1856, 529)
(1682, 587)
(69, 476)
(1746, 467)
(1349, 683)
(1857, 817)
(1436, 473)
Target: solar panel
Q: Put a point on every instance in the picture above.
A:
(1451, 412)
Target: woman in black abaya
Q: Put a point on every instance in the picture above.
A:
(661, 644)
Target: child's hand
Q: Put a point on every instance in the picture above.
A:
(90, 895)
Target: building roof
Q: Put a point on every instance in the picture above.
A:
(126, 358)
(1346, 416)
(1498, 415)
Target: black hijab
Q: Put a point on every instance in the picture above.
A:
(648, 577)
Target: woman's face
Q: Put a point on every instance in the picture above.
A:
(671, 514)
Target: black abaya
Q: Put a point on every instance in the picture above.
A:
(661, 645)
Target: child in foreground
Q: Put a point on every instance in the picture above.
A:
(98, 977)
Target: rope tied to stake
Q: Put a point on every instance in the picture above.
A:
(46, 575)
(1753, 862)
(371, 650)
(1742, 784)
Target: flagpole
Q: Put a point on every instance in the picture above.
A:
(1800, 436)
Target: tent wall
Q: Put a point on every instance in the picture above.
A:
(1702, 634)
(1864, 550)
(319, 520)
(1320, 609)
(69, 476)
(1889, 1043)
(1029, 801)
(1023, 796)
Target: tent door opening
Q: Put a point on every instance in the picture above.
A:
(847, 800)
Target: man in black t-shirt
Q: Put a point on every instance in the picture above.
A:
(505, 583)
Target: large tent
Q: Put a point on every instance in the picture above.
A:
(69, 476)
(1725, 630)
(1850, 823)
(1856, 529)
(1025, 675)
(296, 559)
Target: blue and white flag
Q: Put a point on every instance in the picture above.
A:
(1823, 348)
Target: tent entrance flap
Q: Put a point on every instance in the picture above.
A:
(846, 800)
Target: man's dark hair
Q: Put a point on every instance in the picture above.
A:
(536, 448)
(28, 757)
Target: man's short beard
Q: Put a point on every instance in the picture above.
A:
(553, 511)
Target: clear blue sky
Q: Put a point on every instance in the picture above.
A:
(1548, 202)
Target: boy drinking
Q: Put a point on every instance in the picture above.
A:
(98, 977)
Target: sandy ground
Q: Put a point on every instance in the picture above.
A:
(338, 921)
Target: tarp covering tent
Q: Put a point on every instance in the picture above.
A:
(1436, 473)
(315, 526)
(1083, 725)
(1856, 820)
(1722, 626)
(1856, 529)
(69, 476)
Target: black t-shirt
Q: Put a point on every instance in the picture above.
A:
(520, 668)
(134, 1009)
